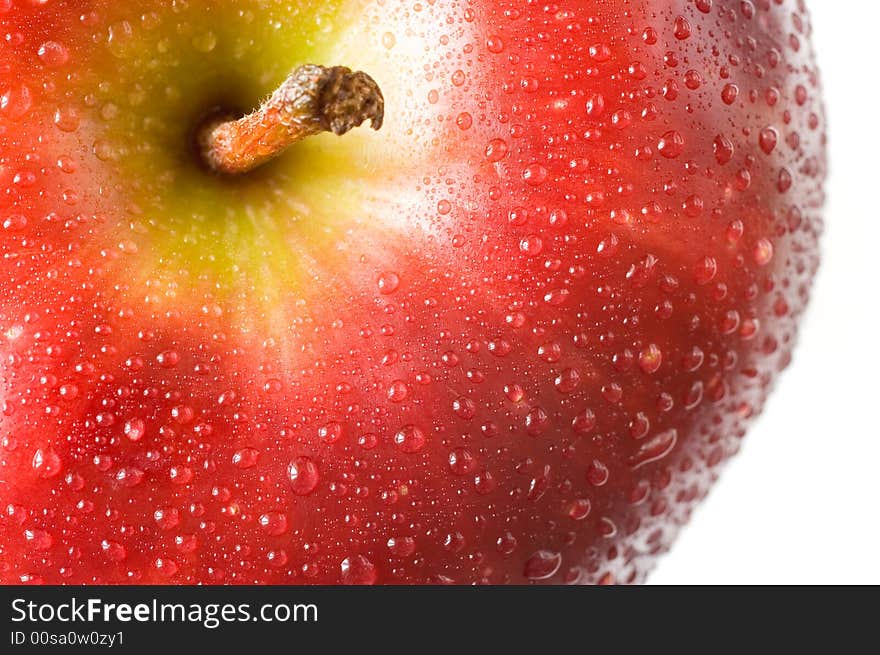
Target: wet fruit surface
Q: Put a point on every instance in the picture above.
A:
(511, 337)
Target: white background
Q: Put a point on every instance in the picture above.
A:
(801, 503)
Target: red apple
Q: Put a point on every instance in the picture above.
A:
(512, 336)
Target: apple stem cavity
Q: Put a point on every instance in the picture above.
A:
(313, 99)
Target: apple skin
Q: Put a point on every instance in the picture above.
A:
(510, 338)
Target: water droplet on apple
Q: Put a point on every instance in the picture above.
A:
(168, 359)
(729, 93)
(15, 222)
(763, 252)
(16, 513)
(650, 359)
(186, 543)
(166, 517)
(273, 386)
(119, 38)
(245, 458)
(68, 391)
(532, 245)
(53, 54)
(165, 566)
(46, 463)
(514, 392)
(105, 151)
(358, 570)
(180, 475)
(671, 144)
(330, 433)
(542, 565)
(784, 181)
(567, 381)
(705, 270)
(304, 475)
(595, 105)
(557, 296)
(536, 421)
(499, 347)
(15, 102)
(535, 174)
(599, 52)
(579, 509)
(182, 414)
(398, 391)
(388, 40)
(767, 139)
(277, 558)
(368, 440)
(464, 408)
(205, 42)
(584, 422)
(410, 439)
(129, 476)
(681, 28)
(597, 473)
(462, 461)
(694, 395)
(655, 448)
(113, 550)
(273, 523)
(38, 539)
(506, 543)
(401, 546)
(134, 429)
(388, 282)
(496, 150)
(484, 483)
(494, 44)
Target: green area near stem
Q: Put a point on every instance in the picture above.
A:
(158, 80)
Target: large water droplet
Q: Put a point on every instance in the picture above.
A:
(113, 550)
(597, 473)
(15, 102)
(462, 461)
(46, 463)
(388, 282)
(304, 475)
(410, 439)
(166, 517)
(671, 144)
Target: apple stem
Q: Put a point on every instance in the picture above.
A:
(313, 99)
